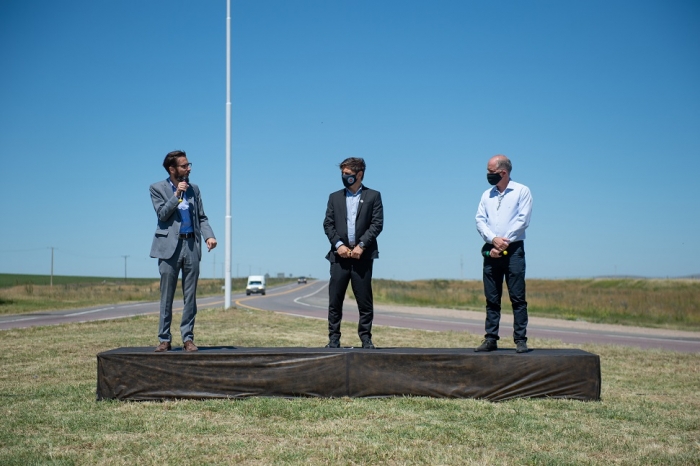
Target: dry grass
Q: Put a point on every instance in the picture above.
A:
(656, 303)
(650, 413)
(28, 297)
(645, 302)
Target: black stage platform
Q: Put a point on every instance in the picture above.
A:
(234, 372)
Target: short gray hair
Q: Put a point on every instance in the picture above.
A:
(503, 163)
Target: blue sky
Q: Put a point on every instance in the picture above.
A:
(597, 103)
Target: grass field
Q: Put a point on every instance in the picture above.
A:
(642, 302)
(28, 293)
(649, 413)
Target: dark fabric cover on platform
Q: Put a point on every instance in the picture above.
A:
(228, 372)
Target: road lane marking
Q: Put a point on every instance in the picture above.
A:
(89, 312)
(280, 294)
(238, 301)
(309, 295)
(20, 320)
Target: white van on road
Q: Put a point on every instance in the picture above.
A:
(256, 284)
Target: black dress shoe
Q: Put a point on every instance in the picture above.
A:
(487, 345)
(367, 344)
(333, 344)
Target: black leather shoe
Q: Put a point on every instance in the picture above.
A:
(367, 344)
(333, 344)
(487, 345)
(521, 347)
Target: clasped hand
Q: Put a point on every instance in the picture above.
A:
(499, 245)
(347, 253)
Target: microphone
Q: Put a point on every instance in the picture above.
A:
(186, 179)
(488, 253)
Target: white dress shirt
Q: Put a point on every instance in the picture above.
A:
(506, 214)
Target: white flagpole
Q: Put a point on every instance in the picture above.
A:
(227, 279)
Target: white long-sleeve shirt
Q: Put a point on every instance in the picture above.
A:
(506, 214)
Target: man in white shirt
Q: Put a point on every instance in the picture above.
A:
(501, 219)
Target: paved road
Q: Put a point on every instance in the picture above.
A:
(311, 301)
(104, 312)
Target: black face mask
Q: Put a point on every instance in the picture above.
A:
(349, 180)
(493, 178)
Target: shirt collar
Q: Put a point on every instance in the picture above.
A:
(349, 193)
(495, 190)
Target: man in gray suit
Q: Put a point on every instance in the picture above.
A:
(177, 245)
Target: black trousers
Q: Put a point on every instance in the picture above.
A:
(359, 274)
(511, 268)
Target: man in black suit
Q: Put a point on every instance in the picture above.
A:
(354, 219)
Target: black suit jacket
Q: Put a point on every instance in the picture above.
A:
(368, 223)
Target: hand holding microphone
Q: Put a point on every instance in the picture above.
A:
(182, 186)
(498, 250)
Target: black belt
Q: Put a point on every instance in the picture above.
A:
(185, 235)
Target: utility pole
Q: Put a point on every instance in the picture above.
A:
(125, 267)
(51, 282)
(227, 219)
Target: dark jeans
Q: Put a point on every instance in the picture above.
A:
(512, 268)
(358, 273)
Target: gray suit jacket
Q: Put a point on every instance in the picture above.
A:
(165, 204)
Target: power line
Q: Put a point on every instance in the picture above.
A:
(23, 250)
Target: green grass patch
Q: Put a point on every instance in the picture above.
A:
(673, 303)
(649, 413)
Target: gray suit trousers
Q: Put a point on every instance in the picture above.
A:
(187, 260)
